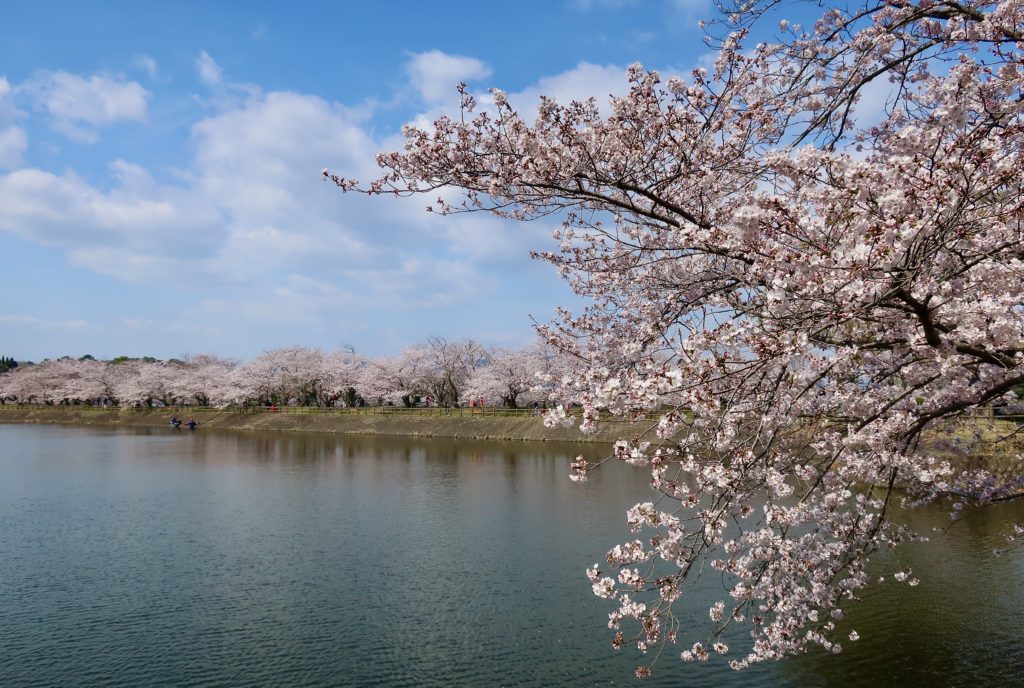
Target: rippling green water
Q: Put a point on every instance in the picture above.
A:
(179, 559)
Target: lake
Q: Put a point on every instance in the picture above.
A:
(156, 558)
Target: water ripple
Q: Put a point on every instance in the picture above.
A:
(265, 560)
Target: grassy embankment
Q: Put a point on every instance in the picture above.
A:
(990, 442)
(486, 423)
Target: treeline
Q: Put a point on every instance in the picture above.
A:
(437, 372)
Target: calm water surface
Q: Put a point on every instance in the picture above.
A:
(208, 559)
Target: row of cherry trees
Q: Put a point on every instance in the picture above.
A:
(445, 372)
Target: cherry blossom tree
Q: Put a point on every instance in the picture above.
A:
(110, 378)
(396, 379)
(9, 386)
(63, 381)
(60, 380)
(204, 380)
(146, 383)
(291, 375)
(345, 373)
(555, 370)
(811, 302)
(437, 368)
(76, 381)
(448, 366)
(514, 377)
(23, 385)
(506, 379)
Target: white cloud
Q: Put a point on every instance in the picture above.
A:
(583, 81)
(421, 281)
(7, 110)
(876, 95)
(209, 71)
(293, 299)
(587, 5)
(435, 74)
(41, 324)
(78, 104)
(250, 219)
(147, 64)
(135, 216)
(13, 141)
(170, 327)
(252, 204)
(13, 144)
(132, 265)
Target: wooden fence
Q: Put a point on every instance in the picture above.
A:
(416, 411)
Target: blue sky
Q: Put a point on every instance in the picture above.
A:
(160, 188)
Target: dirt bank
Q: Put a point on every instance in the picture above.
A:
(520, 427)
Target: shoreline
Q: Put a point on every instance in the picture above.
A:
(1003, 458)
(523, 427)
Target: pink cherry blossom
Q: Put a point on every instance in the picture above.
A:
(805, 304)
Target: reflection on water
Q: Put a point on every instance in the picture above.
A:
(230, 559)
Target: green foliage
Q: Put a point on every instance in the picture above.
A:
(125, 359)
(7, 363)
